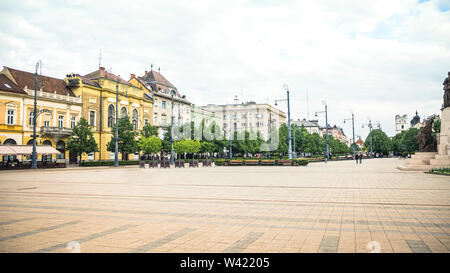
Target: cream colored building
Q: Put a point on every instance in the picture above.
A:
(249, 116)
(160, 89)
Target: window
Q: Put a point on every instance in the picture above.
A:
(92, 118)
(243, 116)
(61, 121)
(403, 126)
(156, 102)
(224, 116)
(11, 116)
(111, 112)
(135, 118)
(31, 117)
(145, 121)
(163, 104)
(73, 122)
(123, 112)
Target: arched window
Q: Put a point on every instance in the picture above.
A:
(123, 112)
(61, 147)
(135, 119)
(47, 157)
(10, 141)
(111, 114)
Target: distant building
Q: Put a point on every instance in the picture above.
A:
(337, 133)
(312, 126)
(360, 143)
(415, 122)
(249, 116)
(401, 123)
(160, 89)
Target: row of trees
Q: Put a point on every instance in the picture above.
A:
(147, 141)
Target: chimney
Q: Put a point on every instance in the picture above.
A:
(132, 76)
(102, 68)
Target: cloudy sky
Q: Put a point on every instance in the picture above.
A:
(375, 58)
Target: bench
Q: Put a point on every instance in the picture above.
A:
(206, 163)
(165, 163)
(268, 162)
(235, 162)
(252, 162)
(284, 162)
(179, 163)
(153, 164)
(193, 163)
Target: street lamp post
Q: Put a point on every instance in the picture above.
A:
(116, 137)
(353, 127)
(34, 153)
(327, 151)
(370, 125)
(171, 132)
(289, 119)
(231, 139)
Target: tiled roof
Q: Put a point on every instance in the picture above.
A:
(102, 73)
(9, 86)
(154, 76)
(48, 84)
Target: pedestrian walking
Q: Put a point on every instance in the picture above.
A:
(360, 158)
(356, 157)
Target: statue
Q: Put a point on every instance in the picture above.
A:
(447, 91)
(427, 142)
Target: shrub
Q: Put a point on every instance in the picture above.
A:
(108, 163)
(220, 161)
(301, 161)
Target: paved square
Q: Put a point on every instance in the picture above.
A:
(339, 207)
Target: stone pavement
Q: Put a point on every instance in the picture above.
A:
(339, 207)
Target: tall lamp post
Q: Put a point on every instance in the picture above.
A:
(116, 137)
(370, 125)
(231, 139)
(353, 127)
(327, 151)
(289, 118)
(172, 93)
(34, 153)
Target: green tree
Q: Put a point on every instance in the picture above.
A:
(149, 130)
(436, 126)
(127, 137)
(150, 145)
(82, 140)
(179, 147)
(381, 143)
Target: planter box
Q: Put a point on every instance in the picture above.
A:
(268, 162)
(284, 162)
(153, 164)
(252, 162)
(235, 162)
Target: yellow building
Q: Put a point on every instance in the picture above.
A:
(98, 93)
(58, 111)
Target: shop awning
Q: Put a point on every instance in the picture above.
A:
(26, 150)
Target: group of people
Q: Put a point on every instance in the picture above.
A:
(358, 157)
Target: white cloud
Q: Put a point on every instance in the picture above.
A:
(379, 58)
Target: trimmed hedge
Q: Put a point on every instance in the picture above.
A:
(301, 161)
(108, 163)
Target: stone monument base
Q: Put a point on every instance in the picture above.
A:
(422, 161)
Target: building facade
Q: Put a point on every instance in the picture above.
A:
(401, 123)
(337, 133)
(58, 110)
(161, 91)
(312, 126)
(98, 93)
(248, 116)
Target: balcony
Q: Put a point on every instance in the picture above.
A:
(56, 131)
